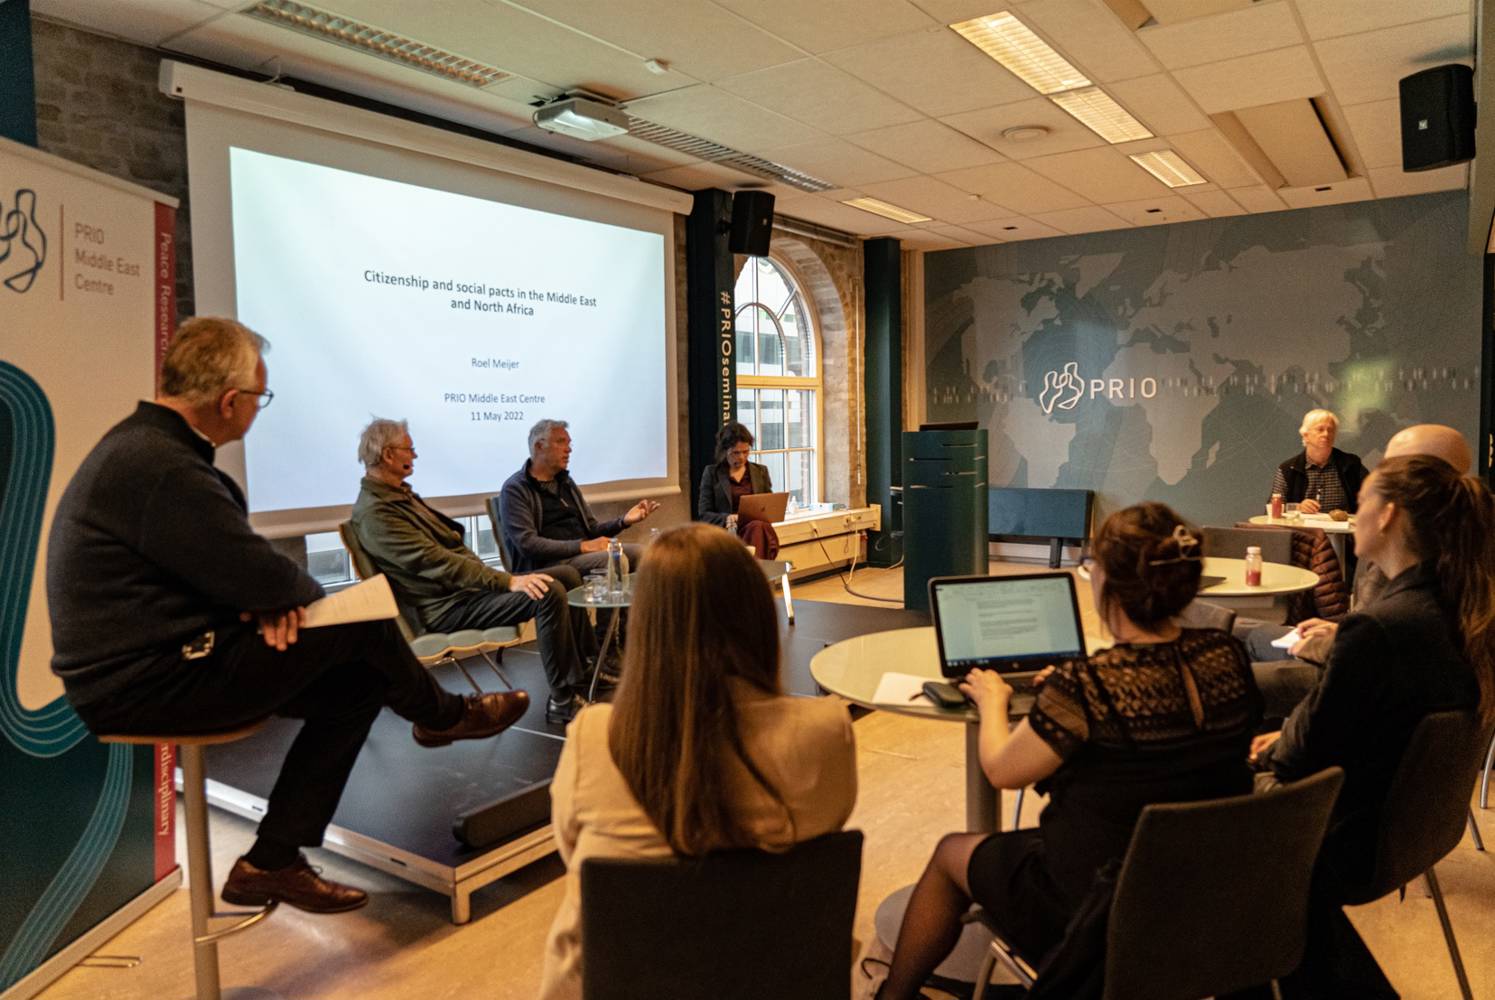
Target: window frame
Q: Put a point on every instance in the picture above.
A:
(815, 383)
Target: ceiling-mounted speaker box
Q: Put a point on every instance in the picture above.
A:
(1437, 117)
(752, 223)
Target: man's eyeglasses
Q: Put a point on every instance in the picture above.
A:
(263, 397)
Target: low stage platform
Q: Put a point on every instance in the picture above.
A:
(457, 818)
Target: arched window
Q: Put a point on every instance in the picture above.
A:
(778, 377)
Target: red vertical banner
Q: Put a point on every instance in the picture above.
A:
(164, 269)
(165, 273)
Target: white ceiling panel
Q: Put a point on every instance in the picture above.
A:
(1391, 182)
(1102, 175)
(1015, 186)
(961, 235)
(1260, 28)
(1160, 104)
(1213, 155)
(839, 162)
(1377, 128)
(1366, 67)
(1249, 81)
(942, 202)
(693, 36)
(955, 11)
(1156, 211)
(987, 125)
(1172, 11)
(926, 146)
(697, 176)
(830, 24)
(820, 95)
(924, 239)
(1091, 37)
(148, 22)
(838, 216)
(1019, 227)
(1258, 198)
(936, 71)
(517, 41)
(1082, 220)
(1215, 204)
(1354, 189)
(707, 111)
(1329, 18)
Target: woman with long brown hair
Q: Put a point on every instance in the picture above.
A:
(701, 749)
(1165, 715)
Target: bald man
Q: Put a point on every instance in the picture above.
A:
(1286, 676)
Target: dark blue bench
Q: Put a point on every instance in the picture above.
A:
(1055, 516)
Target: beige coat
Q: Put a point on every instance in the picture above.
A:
(804, 746)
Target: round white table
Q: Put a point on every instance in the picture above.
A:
(1277, 579)
(1336, 530)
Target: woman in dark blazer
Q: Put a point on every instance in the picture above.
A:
(727, 481)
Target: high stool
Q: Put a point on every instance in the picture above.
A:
(208, 926)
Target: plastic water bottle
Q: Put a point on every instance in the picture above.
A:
(1253, 566)
(617, 568)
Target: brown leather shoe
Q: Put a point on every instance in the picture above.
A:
(298, 885)
(485, 715)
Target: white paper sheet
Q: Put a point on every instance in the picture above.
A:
(1288, 641)
(900, 689)
(369, 601)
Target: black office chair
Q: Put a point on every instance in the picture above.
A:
(1424, 815)
(496, 519)
(1203, 614)
(1276, 544)
(735, 925)
(1212, 896)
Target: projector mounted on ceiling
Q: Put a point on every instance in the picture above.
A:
(582, 118)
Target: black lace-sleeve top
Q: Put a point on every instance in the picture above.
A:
(1137, 724)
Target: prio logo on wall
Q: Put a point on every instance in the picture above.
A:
(1063, 389)
(23, 243)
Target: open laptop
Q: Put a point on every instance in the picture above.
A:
(1015, 625)
(763, 507)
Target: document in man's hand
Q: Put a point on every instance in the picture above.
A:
(368, 601)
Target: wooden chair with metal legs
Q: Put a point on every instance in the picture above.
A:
(434, 649)
(1212, 896)
(208, 925)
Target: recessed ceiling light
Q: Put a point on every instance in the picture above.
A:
(885, 210)
(1013, 44)
(1098, 112)
(1024, 133)
(1168, 167)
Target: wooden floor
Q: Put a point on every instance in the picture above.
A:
(911, 791)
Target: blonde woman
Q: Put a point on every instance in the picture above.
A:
(701, 749)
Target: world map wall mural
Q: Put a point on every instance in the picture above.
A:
(1175, 363)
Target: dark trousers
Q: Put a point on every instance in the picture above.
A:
(553, 623)
(335, 678)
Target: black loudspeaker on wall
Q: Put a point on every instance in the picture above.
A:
(752, 223)
(1437, 117)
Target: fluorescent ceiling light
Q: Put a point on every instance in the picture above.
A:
(1168, 167)
(885, 210)
(1025, 55)
(1100, 114)
(366, 38)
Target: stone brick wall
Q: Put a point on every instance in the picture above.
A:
(97, 104)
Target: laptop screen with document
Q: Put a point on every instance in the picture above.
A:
(1011, 624)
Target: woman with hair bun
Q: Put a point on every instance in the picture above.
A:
(1165, 715)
